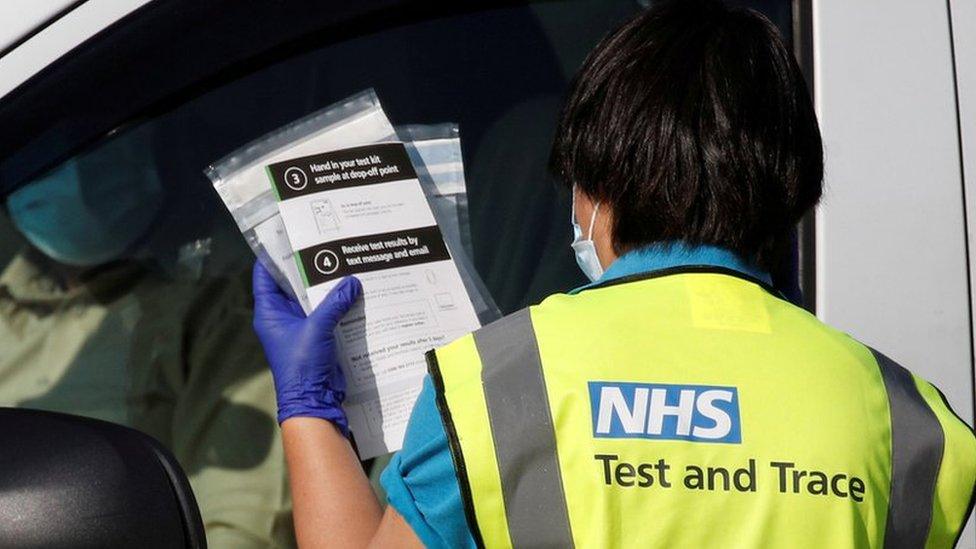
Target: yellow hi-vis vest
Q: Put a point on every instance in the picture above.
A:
(694, 408)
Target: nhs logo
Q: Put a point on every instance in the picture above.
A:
(701, 413)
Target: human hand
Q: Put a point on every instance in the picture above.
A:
(302, 350)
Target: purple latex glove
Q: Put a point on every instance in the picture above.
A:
(302, 350)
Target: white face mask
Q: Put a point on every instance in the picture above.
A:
(585, 250)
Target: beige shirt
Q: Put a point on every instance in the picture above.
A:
(175, 359)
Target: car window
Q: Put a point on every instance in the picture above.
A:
(124, 288)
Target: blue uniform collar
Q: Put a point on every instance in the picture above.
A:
(657, 257)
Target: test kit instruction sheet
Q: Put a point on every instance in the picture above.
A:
(361, 211)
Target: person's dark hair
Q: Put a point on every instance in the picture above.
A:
(692, 122)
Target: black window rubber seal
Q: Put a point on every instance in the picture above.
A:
(460, 469)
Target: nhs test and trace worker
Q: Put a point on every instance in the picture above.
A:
(677, 400)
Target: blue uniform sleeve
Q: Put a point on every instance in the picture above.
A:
(420, 482)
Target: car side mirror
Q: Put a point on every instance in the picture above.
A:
(68, 481)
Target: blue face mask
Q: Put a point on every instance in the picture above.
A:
(91, 209)
(585, 249)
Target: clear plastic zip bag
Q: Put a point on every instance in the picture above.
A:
(435, 151)
(242, 183)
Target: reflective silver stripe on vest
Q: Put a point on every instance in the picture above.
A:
(522, 428)
(916, 455)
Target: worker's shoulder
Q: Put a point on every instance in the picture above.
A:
(497, 341)
(835, 344)
(910, 392)
(517, 326)
(463, 357)
(505, 324)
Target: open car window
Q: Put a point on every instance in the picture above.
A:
(158, 335)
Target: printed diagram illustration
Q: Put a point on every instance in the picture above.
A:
(325, 216)
(444, 300)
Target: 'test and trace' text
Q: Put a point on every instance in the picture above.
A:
(790, 479)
